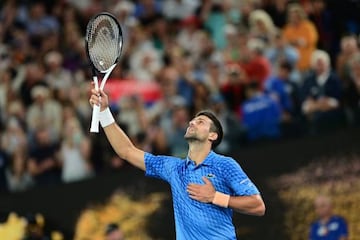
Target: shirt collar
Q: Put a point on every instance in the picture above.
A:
(321, 79)
(208, 161)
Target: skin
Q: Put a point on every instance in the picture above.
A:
(199, 138)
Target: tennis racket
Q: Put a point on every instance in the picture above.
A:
(103, 41)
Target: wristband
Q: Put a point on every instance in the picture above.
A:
(106, 118)
(221, 199)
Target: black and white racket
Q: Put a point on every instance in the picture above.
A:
(104, 41)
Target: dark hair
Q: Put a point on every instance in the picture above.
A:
(286, 65)
(215, 126)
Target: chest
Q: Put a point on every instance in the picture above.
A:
(194, 174)
(330, 229)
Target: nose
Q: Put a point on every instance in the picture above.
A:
(191, 123)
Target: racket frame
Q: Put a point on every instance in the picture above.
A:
(94, 127)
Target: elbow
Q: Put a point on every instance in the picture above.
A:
(260, 210)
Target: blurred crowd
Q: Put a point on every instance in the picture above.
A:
(270, 69)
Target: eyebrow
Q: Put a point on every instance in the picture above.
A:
(202, 118)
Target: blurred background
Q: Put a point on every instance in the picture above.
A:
(283, 76)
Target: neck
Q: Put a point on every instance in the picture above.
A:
(325, 219)
(198, 152)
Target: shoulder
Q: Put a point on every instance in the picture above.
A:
(308, 24)
(225, 162)
(149, 157)
(337, 218)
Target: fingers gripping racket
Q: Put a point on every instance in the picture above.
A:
(104, 41)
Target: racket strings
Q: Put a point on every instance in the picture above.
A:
(104, 42)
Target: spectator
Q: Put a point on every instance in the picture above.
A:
(323, 20)
(34, 76)
(261, 115)
(147, 10)
(233, 88)
(352, 92)
(233, 131)
(38, 23)
(236, 44)
(161, 34)
(189, 36)
(6, 91)
(262, 27)
(180, 117)
(328, 225)
(4, 162)
(285, 92)
(215, 76)
(255, 64)
(277, 11)
(187, 79)
(57, 78)
(348, 50)
(145, 60)
(43, 162)
(74, 153)
(17, 110)
(281, 52)
(113, 232)
(213, 17)
(321, 93)
(179, 9)
(17, 177)
(132, 115)
(301, 33)
(14, 137)
(44, 112)
(202, 96)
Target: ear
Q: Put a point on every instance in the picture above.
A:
(213, 136)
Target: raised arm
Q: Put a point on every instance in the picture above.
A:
(115, 135)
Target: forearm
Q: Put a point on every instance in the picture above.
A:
(123, 146)
(115, 135)
(251, 205)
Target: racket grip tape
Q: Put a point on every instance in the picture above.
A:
(95, 119)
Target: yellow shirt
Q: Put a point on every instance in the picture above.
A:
(307, 35)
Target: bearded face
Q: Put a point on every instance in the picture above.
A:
(199, 130)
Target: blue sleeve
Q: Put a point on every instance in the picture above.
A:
(312, 234)
(239, 182)
(343, 227)
(160, 166)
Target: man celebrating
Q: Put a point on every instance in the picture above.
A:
(206, 187)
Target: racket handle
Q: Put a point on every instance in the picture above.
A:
(94, 128)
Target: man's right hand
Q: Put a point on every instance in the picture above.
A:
(99, 98)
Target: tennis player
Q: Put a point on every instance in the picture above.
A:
(206, 187)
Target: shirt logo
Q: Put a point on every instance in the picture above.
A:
(210, 175)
